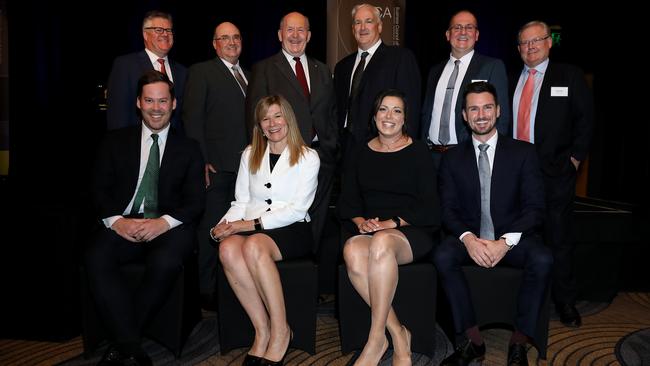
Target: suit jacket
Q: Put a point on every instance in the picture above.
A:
(181, 184)
(279, 197)
(214, 113)
(390, 67)
(480, 67)
(123, 89)
(275, 75)
(516, 190)
(563, 125)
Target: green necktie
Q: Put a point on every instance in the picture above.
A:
(148, 190)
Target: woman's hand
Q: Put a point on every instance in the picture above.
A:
(372, 225)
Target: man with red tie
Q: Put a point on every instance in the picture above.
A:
(553, 109)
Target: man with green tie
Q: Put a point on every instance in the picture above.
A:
(149, 191)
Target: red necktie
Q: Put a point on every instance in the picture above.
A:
(161, 61)
(300, 74)
(523, 116)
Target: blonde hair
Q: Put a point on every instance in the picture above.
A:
(295, 143)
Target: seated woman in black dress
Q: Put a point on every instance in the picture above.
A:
(389, 194)
(268, 222)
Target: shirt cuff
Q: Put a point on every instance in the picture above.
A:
(464, 235)
(109, 221)
(512, 239)
(171, 221)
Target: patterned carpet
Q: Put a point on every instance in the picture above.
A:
(612, 334)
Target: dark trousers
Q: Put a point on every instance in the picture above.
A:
(530, 255)
(560, 193)
(318, 209)
(218, 198)
(125, 314)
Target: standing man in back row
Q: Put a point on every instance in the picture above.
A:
(375, 67)
(553, 109)
(442, 121)
(214, 115)
(307, 85)
(158, 35)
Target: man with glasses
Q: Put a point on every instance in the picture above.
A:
(214, 115)
(307, 84)
(158, 34)
(442, 124)
(553, 109)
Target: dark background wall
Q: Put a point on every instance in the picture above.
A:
(59, 61)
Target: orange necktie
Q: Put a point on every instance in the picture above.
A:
(523, 116)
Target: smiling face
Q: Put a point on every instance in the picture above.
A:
(294, 34)
(274, 126)
(160, 44)
(462, 33)
(156, 105)
(227, 42)
(481, 113)
(366, 27)
(389, 118)
(534, 45)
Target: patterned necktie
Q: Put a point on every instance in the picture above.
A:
(148, 190)
(485, 177)
(302, 79)
(526, 101)
(161, 61)
(443, 134)
(240, 79)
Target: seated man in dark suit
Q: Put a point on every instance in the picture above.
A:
(492, 198)
(149, 190)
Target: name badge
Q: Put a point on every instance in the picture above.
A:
(476, 81)
(559, 91)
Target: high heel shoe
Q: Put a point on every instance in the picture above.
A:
(251, 360)
(267, 362)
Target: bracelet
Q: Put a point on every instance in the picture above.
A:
(257, 223)
(397, 221)
(213, 237)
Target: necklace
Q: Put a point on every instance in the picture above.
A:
(391, 145)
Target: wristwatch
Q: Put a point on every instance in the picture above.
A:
(510, 245)
(397, 221)
(258, 224)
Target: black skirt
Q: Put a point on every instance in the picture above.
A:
(294, 241)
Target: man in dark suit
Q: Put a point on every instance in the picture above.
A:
(149, 191)
(214, 115)
(553, 109)
(158, 34)
(307, 84)
(384, 67)
(462, 35)
(492, 202)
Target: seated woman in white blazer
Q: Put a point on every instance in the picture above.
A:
(268, 222)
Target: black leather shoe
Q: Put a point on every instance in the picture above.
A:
(140, 360)
(465, 354)
(517, 355)
(112, 357)
(251, 360)
(569, 315)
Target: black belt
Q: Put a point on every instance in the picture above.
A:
(440, 148)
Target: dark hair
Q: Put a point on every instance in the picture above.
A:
(389, 93)
(479, 87)
(153, 76)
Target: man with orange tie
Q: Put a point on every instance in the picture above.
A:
(553, 109)
(158, 35)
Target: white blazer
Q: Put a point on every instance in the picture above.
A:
(278, 198)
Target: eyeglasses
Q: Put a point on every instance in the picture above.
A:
(533, 42)
(459, 28)
(234, 38)
(160, 30)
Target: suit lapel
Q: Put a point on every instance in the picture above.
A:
(374, 65)
(227, 74)
(314, 79)
(543, 100)
(469, 159)
(285, 69)
(133, 156)
(499, 171)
